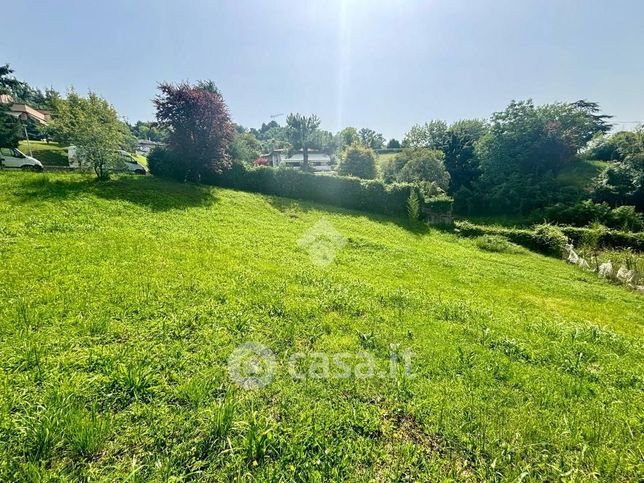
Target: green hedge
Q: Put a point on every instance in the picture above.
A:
(439, 204)
(353, 193)
(546, 238)
(605, 237)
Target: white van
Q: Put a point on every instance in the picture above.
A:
(14, 159)
(127, 162)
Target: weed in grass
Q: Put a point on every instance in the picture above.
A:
(135, 379)
(196, 391)
(42, 434)
(257, 441)
(85, 432)
(217, 426)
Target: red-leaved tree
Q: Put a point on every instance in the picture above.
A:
(199, 124)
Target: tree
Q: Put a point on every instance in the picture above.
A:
(460, 156)
(149, 130)
(393, 144)
(245, 147)
(10, 127)
(92, 125)
(432, 135)
(347, 137)
(532, 140)
(422, 166)
(371, 138)
(524, 149)
(359, 161)
(622, 183)
(302, 134)
(7, 81)
(199, 127)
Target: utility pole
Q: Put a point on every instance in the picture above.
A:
(27, 136)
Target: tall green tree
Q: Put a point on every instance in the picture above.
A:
(7, 81)
(431, 135)
(303, 134)
(347, 137)
(370, 138)
(92, 125)
(524, 149)
(459, 149)
(245, 147)
(10, 127)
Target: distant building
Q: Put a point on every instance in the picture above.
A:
(144, 146)
(279, 157)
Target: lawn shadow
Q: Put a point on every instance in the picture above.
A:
(146, 191)
(288, 205)
(291, 206)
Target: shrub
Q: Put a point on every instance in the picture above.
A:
(413, 206)
(418, 166)
(603, 237)
(622, 183)
(439, 204)
(625, 218)
(495, 243)
(550, 238)
(587, 212)
(358, 161)
(166, 164)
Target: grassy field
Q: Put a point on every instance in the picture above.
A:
(121, 303)
(49, 154)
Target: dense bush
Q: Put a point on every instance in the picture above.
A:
(418, 165)
(550, 238)
(166, 164)
(547, 238)
(587, 212)
(359, 161)
(496, 244)
(367, 195)
(614, 147)
(622, 183)
(439, 204)
(605, 237)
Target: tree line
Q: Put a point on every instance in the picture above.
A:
(507, 164)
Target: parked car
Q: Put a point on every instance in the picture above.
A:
(14, 159)
(127, 162)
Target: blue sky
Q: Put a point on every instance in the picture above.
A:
(367, 63)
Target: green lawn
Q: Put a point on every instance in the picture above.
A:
(121, 302)
(49, 154)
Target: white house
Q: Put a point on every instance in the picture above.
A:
(317, 161)
(320, 162)
(144, 146)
